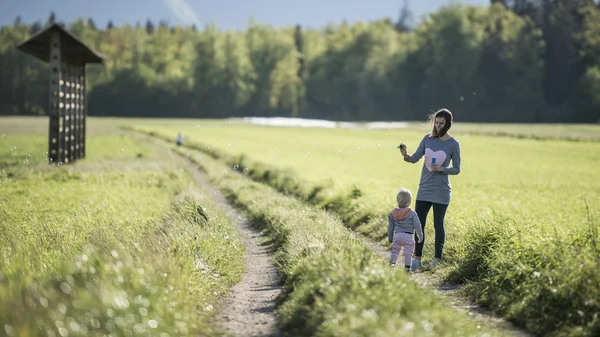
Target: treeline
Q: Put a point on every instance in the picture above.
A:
(514, 61)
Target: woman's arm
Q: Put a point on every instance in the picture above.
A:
(417, 155)
(455, 169)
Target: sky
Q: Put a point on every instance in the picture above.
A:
(227, 14)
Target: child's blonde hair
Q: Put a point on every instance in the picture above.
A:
(404, 197)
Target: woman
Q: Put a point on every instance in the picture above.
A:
(439, 148)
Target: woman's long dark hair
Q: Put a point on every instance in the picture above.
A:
(447, 115)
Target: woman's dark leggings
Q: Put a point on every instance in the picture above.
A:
(439, 212)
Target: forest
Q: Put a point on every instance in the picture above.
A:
(521, 61)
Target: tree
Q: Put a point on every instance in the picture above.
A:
(162, 24)
(51, 19)
(35, 28)
(443, 67)
(405, 19)
(91, 24)
(298, 43)
(515, 61)
(564, 66)
(237, 74)
(149, 27)
(587, 92)
(511, 66)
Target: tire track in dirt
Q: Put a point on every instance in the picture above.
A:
(249, 308)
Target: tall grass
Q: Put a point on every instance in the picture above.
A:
(118, 244)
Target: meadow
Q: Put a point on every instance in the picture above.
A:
(517, 178)
(117, 244)
(522, 229)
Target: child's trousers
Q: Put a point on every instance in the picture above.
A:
(403, 240)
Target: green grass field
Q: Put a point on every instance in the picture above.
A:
(522, 229)
(518, 178)
(522, 218)
(114, 244)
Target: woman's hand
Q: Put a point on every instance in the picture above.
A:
(403, 151)
(437, 168)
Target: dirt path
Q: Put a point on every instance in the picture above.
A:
(249, 309)
(449, 294)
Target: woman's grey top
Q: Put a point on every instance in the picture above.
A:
(435, 186)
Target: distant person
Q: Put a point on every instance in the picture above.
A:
(179, 140)
(403, 222)
(439, 148)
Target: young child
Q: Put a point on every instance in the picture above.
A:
(402, 223)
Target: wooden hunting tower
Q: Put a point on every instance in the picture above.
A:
(67, 108)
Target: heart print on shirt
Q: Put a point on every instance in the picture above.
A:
(440, 158)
